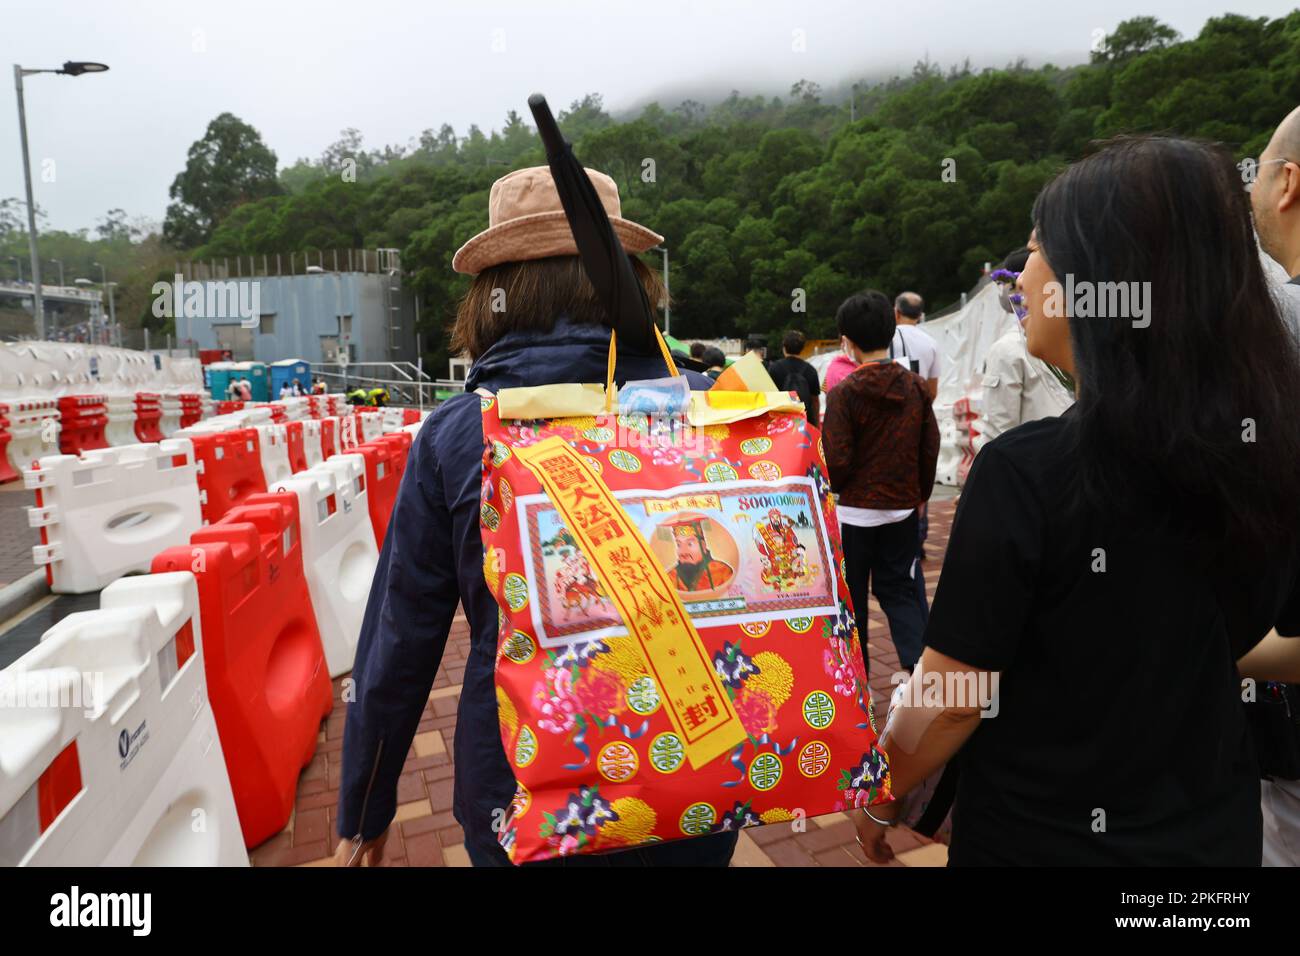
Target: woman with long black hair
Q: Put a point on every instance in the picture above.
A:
(1107, 569)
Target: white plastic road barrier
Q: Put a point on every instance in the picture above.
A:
(35, 427)
(109, 754)
(392, 419)
(171, 415)
(108, 512)
(296, 409)
(372, 426)
(121, 420)
(338, 550)
(274, 440)
(347, 435)
(311, 430)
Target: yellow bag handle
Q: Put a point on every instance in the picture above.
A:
(613, 360)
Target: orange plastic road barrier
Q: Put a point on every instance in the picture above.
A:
(383, 461)
(410, 416)
(229, 470)
(266, 672)
(84, 418)
(225, 408)
(148, 416)
(297, 454)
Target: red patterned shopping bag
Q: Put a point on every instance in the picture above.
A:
(677, 652)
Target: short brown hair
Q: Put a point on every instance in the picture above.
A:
(529, 296)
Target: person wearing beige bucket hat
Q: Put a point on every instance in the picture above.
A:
(531, 317)
(526, 221)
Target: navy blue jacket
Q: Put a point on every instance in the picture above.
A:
(431, 561)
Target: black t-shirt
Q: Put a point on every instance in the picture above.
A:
(1120, 736)
(793, 374)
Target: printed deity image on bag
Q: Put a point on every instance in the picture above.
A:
(678, 654)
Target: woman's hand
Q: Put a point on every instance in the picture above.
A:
(371, 853)
(871, 835)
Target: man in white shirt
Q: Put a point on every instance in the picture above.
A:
(913, 347)
(1017, 387)
(1275, 203)
(918, 351)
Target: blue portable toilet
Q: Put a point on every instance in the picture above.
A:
(258, 380)
(219, 374)
(287, 370)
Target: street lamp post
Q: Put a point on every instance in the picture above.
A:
(70, 68)
(60, 265)
(112, 309)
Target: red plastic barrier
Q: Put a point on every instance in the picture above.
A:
(297, 453)
(191, 408)
(148, 417)
(327, 444)
(382, 478)
(410, 416)
(278, 413)
(225, 408)
(7, 472)
(266, 672)
(400, 443)
(230, 470)
(84, 418)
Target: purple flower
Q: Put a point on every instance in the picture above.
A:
(870, 771)
(732, 665)
(736, 818)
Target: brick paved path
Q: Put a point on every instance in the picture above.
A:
(16, 536)
(424, 832)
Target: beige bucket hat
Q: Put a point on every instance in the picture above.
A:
(526, 221)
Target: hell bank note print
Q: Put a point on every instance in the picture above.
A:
(737, 552)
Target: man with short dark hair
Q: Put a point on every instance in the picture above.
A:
(697, 350)
(793, 374)
(881, 443)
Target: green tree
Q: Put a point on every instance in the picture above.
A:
(228, 167)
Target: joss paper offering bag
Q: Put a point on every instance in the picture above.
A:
(677, 653)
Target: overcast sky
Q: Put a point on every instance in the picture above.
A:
(301, 71)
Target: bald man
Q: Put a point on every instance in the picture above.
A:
(1275, 201)
(1275, 197)
(911, 346)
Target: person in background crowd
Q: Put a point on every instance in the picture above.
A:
(697, 350)
(913, 346)
(1017, 387)
(377, 397)
(839, 368)
(1275, 204)
(758, 345)
(233, 390)
(882, 447)
(715, 360)
(917, 350)
(245, 390)
(793, 374)
(1275, 196)
(432, 558)
(1142, 542)
(318, 387)
(285, 391)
